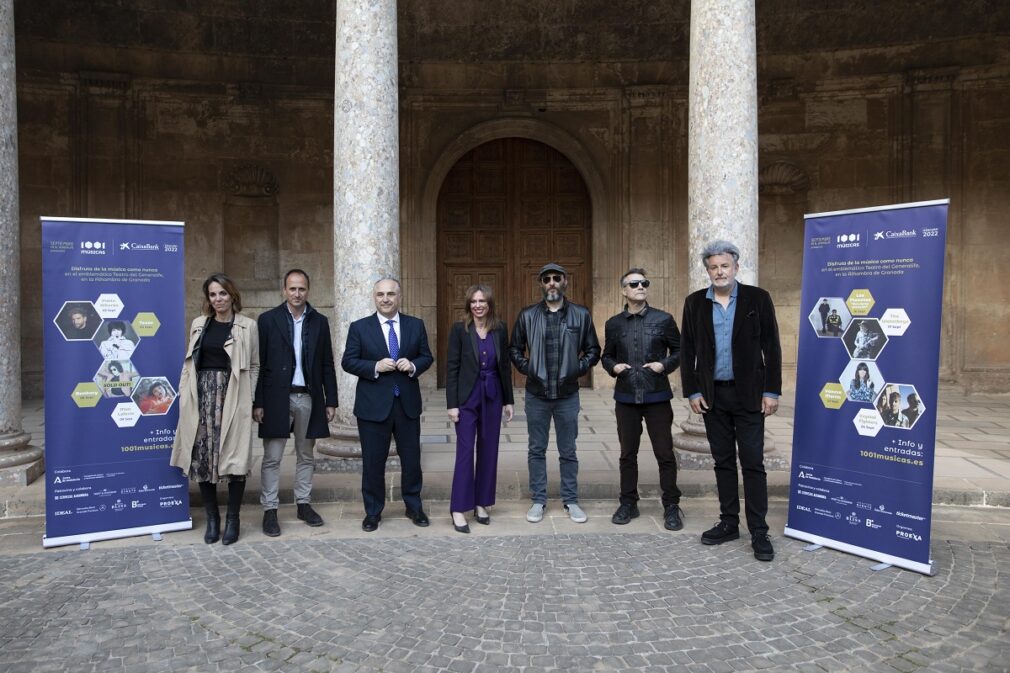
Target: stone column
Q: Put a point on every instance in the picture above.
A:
(366, 178)
(722, 169)
(19, 462)
(722, 133)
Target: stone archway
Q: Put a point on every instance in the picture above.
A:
(507, 207)
(419, 238)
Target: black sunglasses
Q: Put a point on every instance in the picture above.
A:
(548, 277)
(636, 283)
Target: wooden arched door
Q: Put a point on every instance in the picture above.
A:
(505, 209)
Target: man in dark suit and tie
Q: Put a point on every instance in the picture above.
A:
(387, 351)
(296, 392)
(731, 370)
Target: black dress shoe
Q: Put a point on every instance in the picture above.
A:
(673, 518)
(719, 533)
(465, 528)
(486, 520)
(762, 546)
(309, 515)
(418, 517)
(371, 522)
(271, 528)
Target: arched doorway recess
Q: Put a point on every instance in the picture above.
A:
(504, 209)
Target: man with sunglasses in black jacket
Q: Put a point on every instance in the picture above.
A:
(642, 348)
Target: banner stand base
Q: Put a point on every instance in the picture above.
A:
(85, 539)
(908, 564)
(813, 547)
(880, 566)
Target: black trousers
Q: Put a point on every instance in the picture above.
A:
(658, 419)
(730, 427)
(375, 438)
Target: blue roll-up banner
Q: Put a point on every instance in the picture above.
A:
(113, 345)
(866, 382)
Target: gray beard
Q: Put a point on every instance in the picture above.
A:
(553, 295)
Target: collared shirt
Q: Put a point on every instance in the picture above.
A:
(385, 335)
(298, 378)
(552, 350)
(385, 327)
(722, 323)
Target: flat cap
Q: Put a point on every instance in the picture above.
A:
(552, 267)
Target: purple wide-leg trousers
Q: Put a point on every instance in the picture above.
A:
(477, 435)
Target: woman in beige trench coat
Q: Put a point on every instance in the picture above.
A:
(213, 438)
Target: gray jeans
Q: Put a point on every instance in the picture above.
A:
(273, 451)
(565, 412)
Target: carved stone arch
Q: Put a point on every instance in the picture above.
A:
(417, 268)
(782, 177)
(252, 181)
(531, 129)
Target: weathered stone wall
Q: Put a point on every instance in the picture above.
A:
(248, 172)
(219, 113)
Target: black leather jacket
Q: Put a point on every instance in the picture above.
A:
(636, 338)
(580, 347)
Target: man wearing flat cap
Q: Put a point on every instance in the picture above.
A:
(553, 343)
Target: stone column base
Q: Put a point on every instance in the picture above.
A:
(343, 443)
(694, 439)
(20, 463)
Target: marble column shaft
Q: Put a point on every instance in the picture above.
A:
(366, 169)
(722, 134)
(10, 241)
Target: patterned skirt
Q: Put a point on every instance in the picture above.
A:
(211, 387)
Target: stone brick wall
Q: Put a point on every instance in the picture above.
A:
(219, 113)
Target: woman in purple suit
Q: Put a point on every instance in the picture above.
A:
(478, 390)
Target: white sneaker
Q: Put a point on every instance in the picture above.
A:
(536, 513)
(576, 514)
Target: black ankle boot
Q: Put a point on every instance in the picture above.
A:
(208, 493)
(236, 489)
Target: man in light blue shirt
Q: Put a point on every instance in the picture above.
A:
(731, 370)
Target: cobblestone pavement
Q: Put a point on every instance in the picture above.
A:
(557, 601)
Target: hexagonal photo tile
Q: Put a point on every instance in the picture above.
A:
(864, 338)
(109, 305)
(895, 321)
(86, 395)
(126, 414)
(829, 317)
(116, 378)
(832, 396)
(867, 422)
(153, 395)
(116, 340)
(861, 380)
(146, 324)
(860, 302)
(78, 320)
(900, 406)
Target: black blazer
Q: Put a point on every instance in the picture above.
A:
(366, 346)
(462, 365)
(277, 365)
(757, 354)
